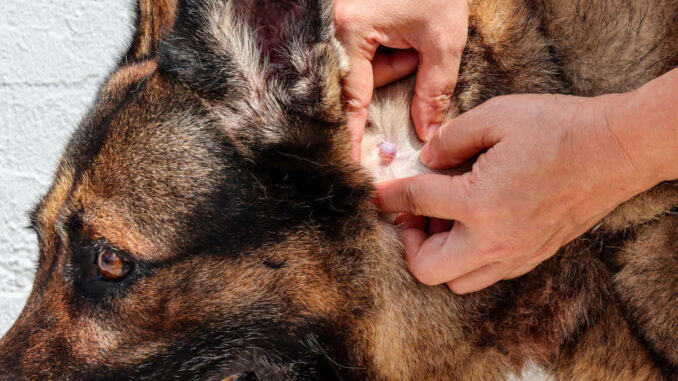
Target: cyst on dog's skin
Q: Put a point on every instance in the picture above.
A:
(216, 162)
(387, 152)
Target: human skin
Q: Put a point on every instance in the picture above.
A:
(431, 35)
(549, 167)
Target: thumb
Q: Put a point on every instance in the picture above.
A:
(430, 195)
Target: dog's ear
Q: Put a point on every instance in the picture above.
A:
(154, 19)
(275, 57)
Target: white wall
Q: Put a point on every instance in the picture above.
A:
(53, 54)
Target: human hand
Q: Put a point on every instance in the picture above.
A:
(550, 167)
(436, 30)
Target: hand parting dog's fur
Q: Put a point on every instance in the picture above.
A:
(206, 221)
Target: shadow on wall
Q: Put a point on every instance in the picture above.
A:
(53, 53)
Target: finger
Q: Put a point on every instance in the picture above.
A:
(405, 221)
(461, 139)
(479, 279)
(357, 88)
(438, 225)
(444, 256)
(431, 195)
(436, 79)
(356, 120)
(389, 67)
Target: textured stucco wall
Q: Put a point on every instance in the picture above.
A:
(53, 53)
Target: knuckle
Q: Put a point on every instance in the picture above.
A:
(348, 23)
(437, 33)
(342, 15)
(422, 273)
(485, 162)
(484, 138)
(357, 105)
(438, 101)
(410, 200)
(453, 48)
(450, 36)
(468, 193)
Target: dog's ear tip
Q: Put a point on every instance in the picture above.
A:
(153, 21)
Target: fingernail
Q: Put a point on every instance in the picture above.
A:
(432, 130)
(425, 155)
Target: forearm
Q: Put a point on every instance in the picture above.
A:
(646, 123)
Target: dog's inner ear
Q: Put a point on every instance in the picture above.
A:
(267, 54)
(154, 19)
(271, 70)
(274, 22)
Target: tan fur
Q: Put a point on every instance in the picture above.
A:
(154, 19)
(646, 257)
(591, 359)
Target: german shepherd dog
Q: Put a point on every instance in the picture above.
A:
(207, 222)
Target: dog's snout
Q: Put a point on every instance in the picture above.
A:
(30, 349)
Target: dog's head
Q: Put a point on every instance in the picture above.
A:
(200, 221)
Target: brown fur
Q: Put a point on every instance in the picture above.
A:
(217, 159)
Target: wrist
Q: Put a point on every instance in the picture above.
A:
(644, 120)
(604, 160)
(641, 146)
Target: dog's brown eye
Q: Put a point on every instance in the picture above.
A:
(112, 266)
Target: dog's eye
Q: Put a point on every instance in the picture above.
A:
(112, 266)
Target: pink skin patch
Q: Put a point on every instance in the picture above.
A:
(387, 152)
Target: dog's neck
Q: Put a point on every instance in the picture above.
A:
(409, 329)
(408, 326)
